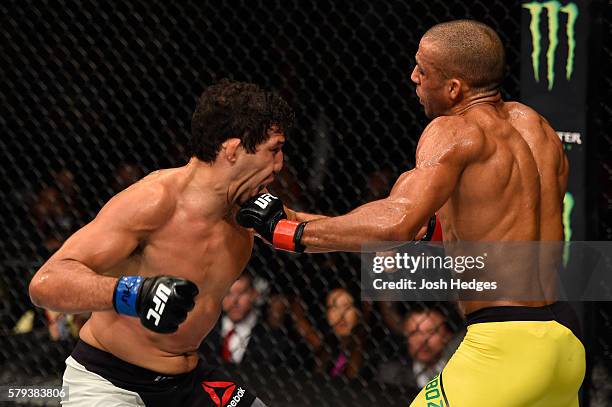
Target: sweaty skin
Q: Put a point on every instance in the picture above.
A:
(177, 222)
(492, 170)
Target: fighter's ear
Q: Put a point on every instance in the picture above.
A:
(455, 89)
(230, 148)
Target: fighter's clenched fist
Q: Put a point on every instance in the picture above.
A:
(266, 215)
(162, 302)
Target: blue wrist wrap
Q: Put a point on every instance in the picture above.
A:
(126, 293)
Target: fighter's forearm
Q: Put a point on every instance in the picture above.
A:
(71, 287)
(373, 224)
(302, 216)
(308, 217)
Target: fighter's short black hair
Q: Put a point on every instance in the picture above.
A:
(470, 50)
(231, 109)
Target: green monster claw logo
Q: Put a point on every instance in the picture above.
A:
(568, 205)
(553, 9)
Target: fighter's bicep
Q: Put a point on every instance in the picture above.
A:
(426, 188)
(99, 245)
(118, 229)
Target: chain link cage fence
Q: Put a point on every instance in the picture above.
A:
(97, 94)
(598, 316)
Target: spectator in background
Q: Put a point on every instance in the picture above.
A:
(55, 212)
(430, 342)
(63, 180)
(244, 336)
(277, 311)
(64, 326)
(428, 335)
(341, 351)
(239, 320)
(56, 216)
(348, 335)
(53, 220)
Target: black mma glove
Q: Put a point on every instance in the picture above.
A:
(265, 214)
(162, 302)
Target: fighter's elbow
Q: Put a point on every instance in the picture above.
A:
(40, 289)
(36, 291)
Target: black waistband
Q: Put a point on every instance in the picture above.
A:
(118, 371)
(561, 312)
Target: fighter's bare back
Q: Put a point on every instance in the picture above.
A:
(513, 188)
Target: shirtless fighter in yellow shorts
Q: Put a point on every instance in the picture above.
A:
(156, 262)
(493, 171)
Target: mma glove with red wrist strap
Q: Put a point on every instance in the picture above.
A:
(265, 214)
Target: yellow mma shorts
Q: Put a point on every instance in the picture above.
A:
(513, 357)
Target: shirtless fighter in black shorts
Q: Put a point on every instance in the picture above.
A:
(156, 262)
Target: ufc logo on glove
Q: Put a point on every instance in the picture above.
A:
(264, 200)
(160, 299)
(148, 298)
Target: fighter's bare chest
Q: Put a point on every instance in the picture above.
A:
(198, 250)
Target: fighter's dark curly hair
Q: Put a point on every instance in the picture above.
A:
(231, 109)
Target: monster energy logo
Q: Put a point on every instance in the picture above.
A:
(553, 9)
(568, 206)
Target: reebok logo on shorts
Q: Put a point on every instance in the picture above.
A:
(227, 388)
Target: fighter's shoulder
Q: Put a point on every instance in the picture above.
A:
(452, 134)
(517, 110)
(538, 128)
(148, 202)
(449, 127)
